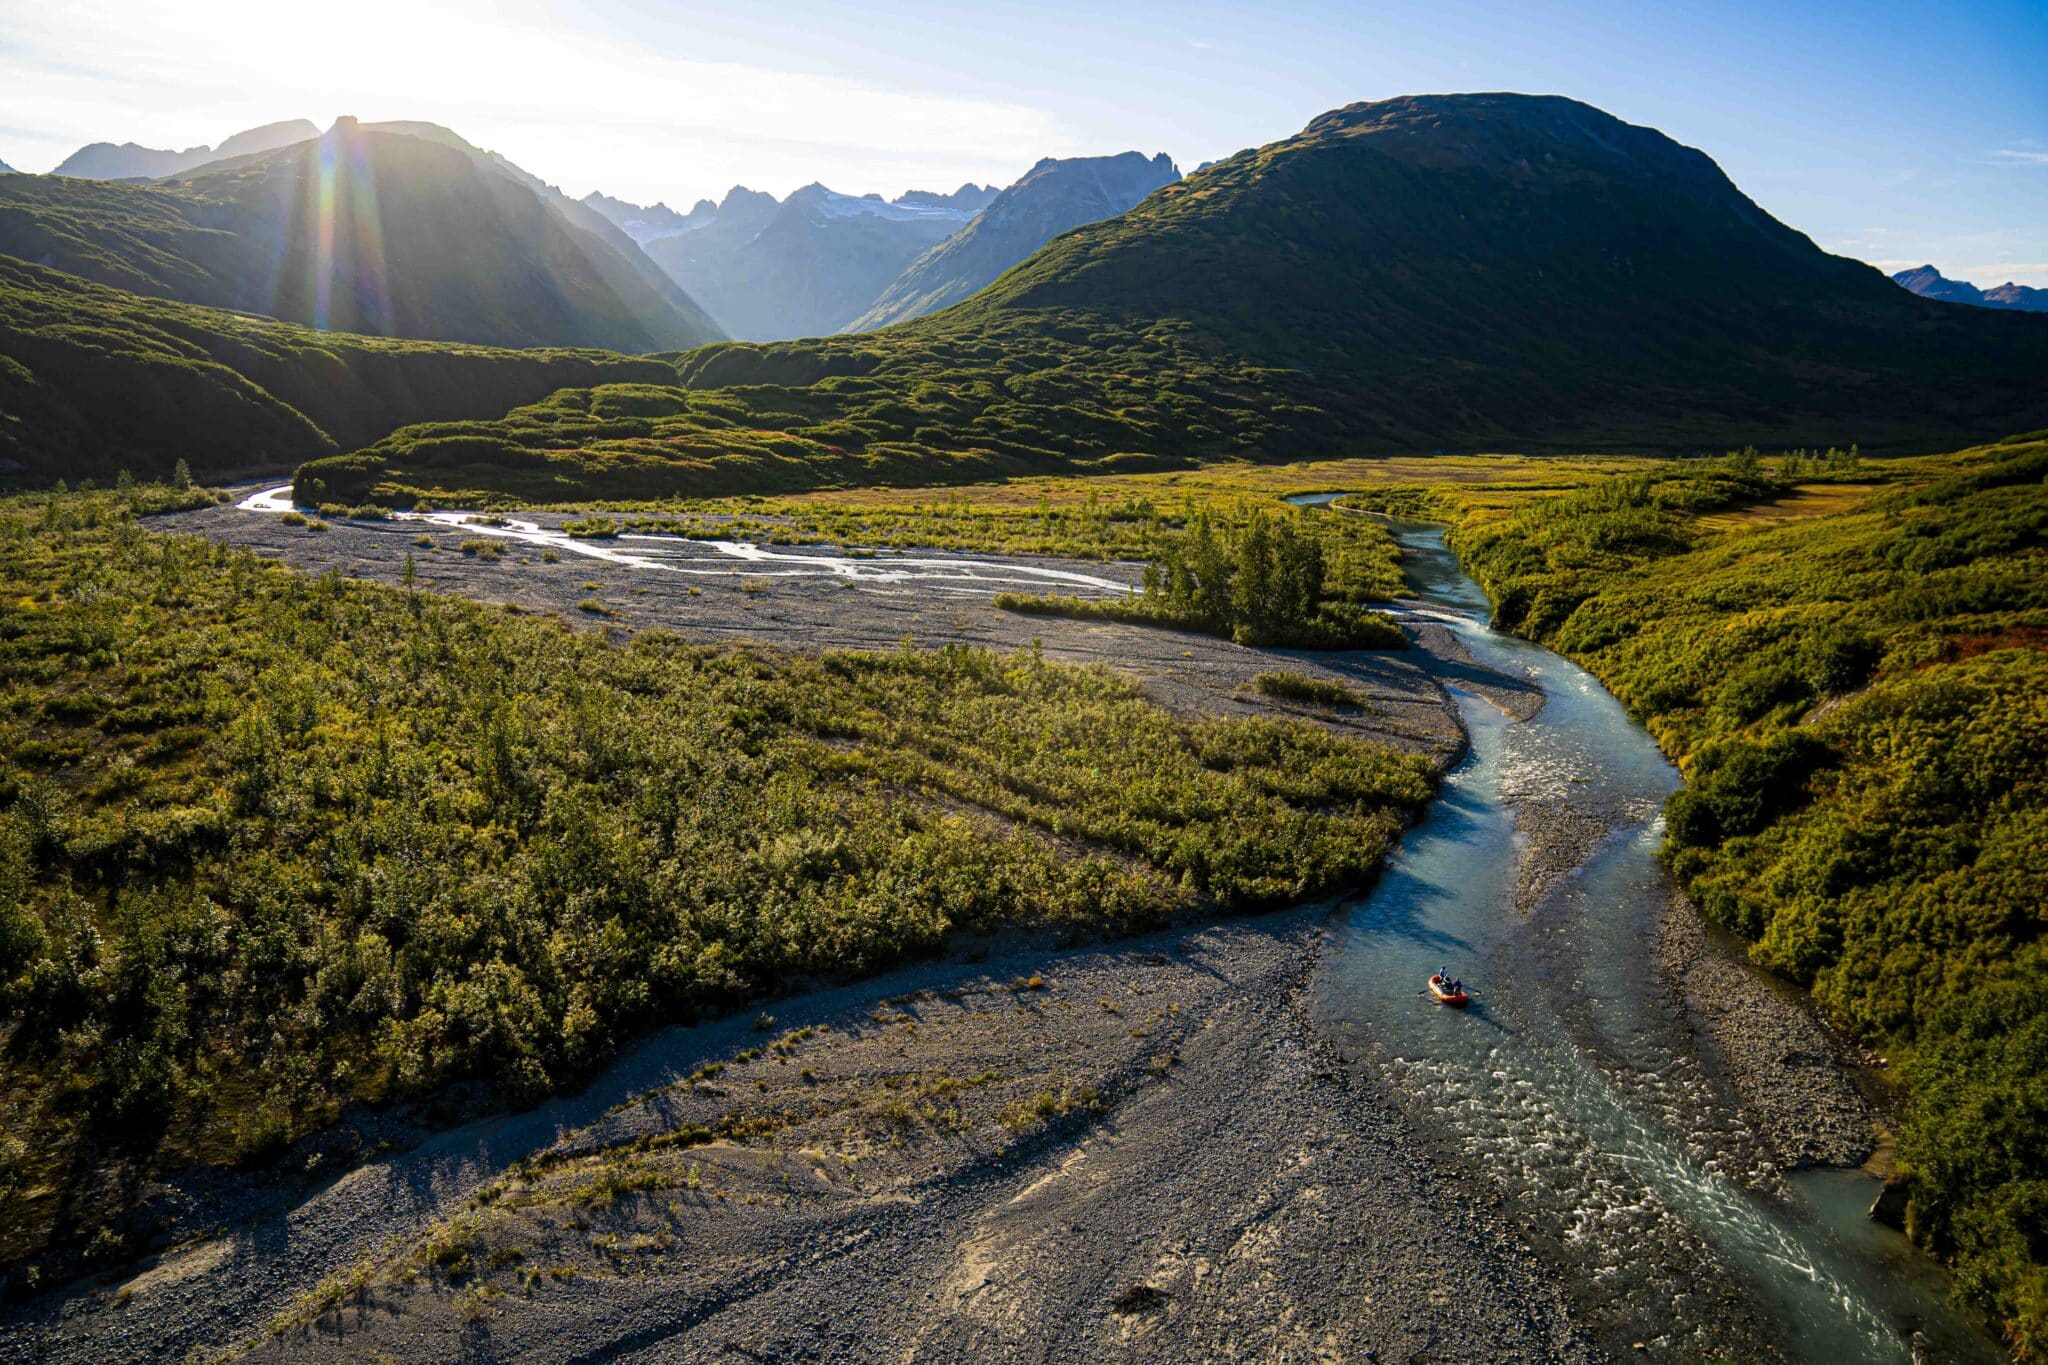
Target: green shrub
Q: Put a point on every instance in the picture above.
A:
(1302, 687)
(1265, 580)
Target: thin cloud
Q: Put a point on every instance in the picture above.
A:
(2019, 156)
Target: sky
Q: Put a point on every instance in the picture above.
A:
(1897, 132)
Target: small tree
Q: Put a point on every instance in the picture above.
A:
(181, 475)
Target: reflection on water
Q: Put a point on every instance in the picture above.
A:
(1569, 1082)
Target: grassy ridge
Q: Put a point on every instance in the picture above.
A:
(93, 380)
(1859, 701)
(891, 408)
(271, 844)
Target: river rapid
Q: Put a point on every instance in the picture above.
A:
(1572, 1085)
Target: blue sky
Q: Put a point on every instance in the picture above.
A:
(1897, 132)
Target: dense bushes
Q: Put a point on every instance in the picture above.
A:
(270, 844)
(1860, 703)
(1738, 786)
(1265, 581)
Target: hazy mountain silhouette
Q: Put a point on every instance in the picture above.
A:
(809, 265)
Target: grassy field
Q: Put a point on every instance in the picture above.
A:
(272, 844)
(1851, 676)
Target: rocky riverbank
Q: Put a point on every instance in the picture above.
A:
(1789, 1072)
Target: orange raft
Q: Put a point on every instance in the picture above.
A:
(1441, 989)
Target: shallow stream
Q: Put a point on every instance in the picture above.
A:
(1572, 1083)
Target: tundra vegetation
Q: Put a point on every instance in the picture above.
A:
(1859, 701)
(272, 844)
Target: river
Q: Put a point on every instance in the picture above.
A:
(1571, 1084)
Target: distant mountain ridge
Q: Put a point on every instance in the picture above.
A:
(809, 265)
(423, 237)
(1930, 283)
(1055, 196)
(127, 161)
(645, 223)
(970, 197)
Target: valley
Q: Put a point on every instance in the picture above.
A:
(855, 775)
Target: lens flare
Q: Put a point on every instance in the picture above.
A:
(341, 231)
(323, 228)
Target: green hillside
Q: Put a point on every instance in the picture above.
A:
(94, 380)
(1453, 272)
(380, 233)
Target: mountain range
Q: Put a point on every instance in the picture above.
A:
(1436, 272)
(822, 262)
(1460, 271)
(1055, 196)
(749, 266)
(1474, 272)
(127, 161)
(399, 230)
(1930, 283)
(645, 223)
(806, 266)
